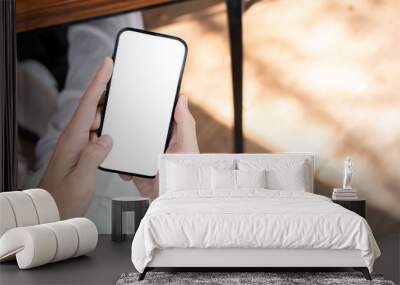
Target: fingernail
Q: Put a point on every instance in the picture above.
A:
(106, 141)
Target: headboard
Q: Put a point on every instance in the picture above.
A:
(210, 157)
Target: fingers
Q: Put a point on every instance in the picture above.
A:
(97, 119)
(92, 156)
(102, 100)
(184, 138)
(96, 122)
(93, 137)
(99, 83)
(147, 187)
(125, 177)
(86, 111)
(174, 135)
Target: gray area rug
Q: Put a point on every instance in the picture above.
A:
(225, 278)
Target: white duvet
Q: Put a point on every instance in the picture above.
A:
(250, 219)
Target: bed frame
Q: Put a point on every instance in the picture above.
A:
(246, 259)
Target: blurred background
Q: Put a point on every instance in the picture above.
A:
(319, 76)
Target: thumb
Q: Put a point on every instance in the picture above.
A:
(184, 138)
(93, 155)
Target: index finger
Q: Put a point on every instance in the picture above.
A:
(86, 111)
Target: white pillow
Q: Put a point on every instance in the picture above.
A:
(293, 179)
(188, 175)
(235, 179)
(282, 174)
(181, 177)
(223, 179)
(251, 178)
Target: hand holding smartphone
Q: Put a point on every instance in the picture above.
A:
(140, 100)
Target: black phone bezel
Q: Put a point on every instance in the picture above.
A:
(106, 95)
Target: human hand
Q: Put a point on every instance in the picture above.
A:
(70, 174)
(183, 140)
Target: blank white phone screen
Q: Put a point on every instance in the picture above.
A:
(144, 84)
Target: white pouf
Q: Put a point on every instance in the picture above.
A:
(7, 220)
(23, 208)
(45, 205)
(87, 233)
(37, 245)
(31, 232)
(33, 246)
(67, 240)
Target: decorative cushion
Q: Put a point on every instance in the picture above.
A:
(227, 179)
(293, 179)
(251, 178)
(223, 179)
(187, 175)
(282, 174)
(182, 177)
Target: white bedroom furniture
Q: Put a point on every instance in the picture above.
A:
(26, 208)
(31, 231)
(196, 224)
(103, 265)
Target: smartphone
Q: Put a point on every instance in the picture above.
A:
(140, 100)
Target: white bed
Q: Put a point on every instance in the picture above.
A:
(286, 226)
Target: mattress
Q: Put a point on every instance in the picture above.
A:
(251, 219)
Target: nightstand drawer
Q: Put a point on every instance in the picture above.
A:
(357, 206)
